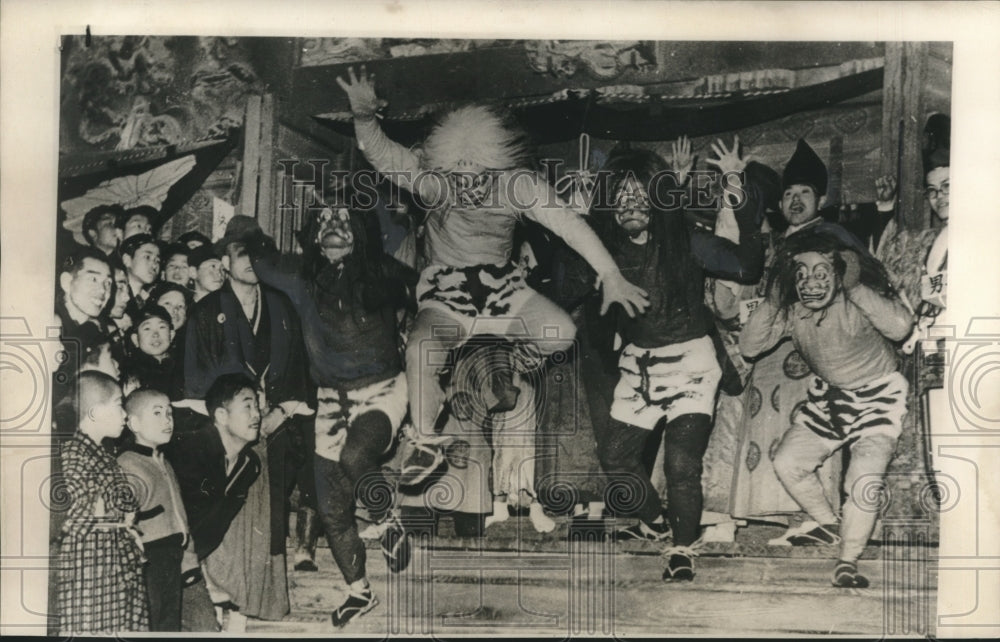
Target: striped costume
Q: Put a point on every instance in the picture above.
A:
(858, 400)
(338, 408)
(669, 381)
(470, 285)
(839, 414)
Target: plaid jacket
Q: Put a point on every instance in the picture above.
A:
(101, 588)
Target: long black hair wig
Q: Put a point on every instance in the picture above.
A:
(669, 235)
(364, 271)
(873, 273)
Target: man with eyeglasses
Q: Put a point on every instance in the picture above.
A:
(933, 277)
(937, 168)
(937, 175)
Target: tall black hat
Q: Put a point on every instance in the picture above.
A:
(937, 142)
(805, 168)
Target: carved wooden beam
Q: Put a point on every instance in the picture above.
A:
(503, 73)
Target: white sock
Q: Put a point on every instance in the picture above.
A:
(595, 510)
(237, 623)
(578, 510)
(500, 513)
(542, 522)
(359, 587)
(722, 532)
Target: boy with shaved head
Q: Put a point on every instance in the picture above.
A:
(172, 564)
(100, 571)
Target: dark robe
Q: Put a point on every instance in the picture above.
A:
(220, 340)
(212, 498)
(151, 373)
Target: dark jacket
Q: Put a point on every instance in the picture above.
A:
(219, 340)
(675, 281)
(212, 498)
(348, 319)
(72, 333)
(150, 373)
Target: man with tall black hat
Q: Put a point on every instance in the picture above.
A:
(804, 182)
(779, 379)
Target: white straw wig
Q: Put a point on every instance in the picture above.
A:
(473, 138)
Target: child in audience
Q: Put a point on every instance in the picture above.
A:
(101, 589)
(171, 561)
(151, 365)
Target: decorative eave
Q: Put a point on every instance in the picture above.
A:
(115, 161)
(659, 111)
(416, 86)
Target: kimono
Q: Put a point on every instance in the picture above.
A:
(101, 587)
(230, 514)
(220, 340)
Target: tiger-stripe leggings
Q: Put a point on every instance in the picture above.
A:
(868, 420)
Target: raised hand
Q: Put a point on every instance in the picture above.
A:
(728, 159)
(270, 422)
(361, 94)
(681, 160)
(885, 188)
(852, 270)
(618, 290)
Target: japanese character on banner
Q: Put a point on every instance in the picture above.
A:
(933, 288)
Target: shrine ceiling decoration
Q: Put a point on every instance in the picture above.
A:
(130, 92)
(623, 90)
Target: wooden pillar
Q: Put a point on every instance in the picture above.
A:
(259, 171)
(267, 214)
(250, 165)
(902, 128)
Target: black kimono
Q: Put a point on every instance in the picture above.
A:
(220, 340)
(212, 497)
